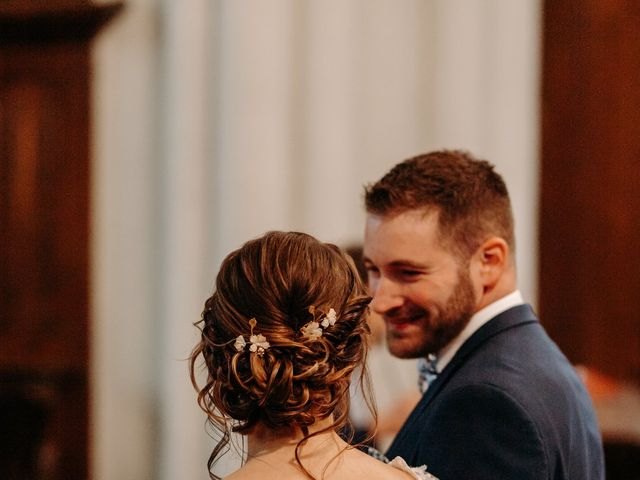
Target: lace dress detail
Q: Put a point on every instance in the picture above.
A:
(419, 473)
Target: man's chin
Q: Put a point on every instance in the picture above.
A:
(405, 351)
(404, 355)
(406, 346)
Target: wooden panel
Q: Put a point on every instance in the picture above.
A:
(38, 21)
(590, 205)
(44, 237)
(44, 255)
(43, 209)
(43, 418)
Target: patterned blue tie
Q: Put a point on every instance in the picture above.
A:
(427, 371)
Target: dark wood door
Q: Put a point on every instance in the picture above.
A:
(44, 237)
(590, 204)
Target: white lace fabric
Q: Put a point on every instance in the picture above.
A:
(419, 473)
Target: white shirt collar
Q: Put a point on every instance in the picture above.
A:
(477, 320)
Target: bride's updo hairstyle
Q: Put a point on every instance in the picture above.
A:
(305, 305)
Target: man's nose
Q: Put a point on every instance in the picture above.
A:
(385, 296)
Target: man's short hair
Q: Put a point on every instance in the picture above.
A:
(470, 197)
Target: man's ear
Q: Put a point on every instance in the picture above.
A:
(492, 258)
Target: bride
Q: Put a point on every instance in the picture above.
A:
(281, 336)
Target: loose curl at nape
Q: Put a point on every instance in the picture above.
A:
(298, 379)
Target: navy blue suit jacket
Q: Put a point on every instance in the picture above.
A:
(508, 406)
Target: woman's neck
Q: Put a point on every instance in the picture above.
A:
(266, 442)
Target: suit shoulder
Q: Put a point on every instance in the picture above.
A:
(473, 399)
(485, 422)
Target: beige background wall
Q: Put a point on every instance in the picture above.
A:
(215, 121)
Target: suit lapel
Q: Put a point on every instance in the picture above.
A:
(514, 317)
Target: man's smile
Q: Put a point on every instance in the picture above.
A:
(403, 320)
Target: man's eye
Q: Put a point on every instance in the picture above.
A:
(370, 268)
(372, 272)
(410, 273)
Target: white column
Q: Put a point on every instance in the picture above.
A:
(365, 105)
(512, 133)
(486, 95)
(395, 101)
(184, 196)
(330, 65)
(461, 83)
(122, 248)
(254, 128)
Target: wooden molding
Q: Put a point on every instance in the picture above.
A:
(33, 22)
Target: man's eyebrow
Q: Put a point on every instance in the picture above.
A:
(406, 263)
(400, 263)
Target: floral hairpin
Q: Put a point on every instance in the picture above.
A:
(257, 342)
(313, 329)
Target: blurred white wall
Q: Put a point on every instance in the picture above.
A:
(215, 121)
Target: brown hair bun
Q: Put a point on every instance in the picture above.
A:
(298, 379)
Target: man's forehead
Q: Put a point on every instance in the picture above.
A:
(400, 237)
(407, 221)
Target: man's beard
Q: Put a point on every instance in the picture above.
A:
(443, 326)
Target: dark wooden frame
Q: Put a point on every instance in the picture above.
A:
(45, 85)
(590, 200)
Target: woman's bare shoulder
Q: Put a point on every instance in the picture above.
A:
(364, 465)
(351, 464)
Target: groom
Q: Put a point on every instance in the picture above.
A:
(501, 401)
